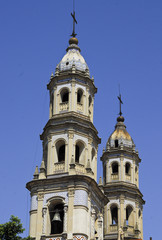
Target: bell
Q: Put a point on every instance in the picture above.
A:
(56, 217)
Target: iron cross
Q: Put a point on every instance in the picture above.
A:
(74, 21)
(120, 103)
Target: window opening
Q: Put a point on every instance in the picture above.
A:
(65, 97)
(115, 168)
(79, 96)
(61, 154)
(114, 215)
(77, 153)
(57, 218)
(116, 143)
(90, 101)
(129, 216)
(127, 168)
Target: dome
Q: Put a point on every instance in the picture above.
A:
(73, 57)
(120, 136)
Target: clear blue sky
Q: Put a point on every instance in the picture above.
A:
(121, 41)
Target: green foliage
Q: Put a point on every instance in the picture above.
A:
(11, 230)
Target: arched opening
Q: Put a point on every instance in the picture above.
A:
(56, 218)
(60, 148)
(116, 143)
(80, 96)
(92, 154)
(127, 169)
(129, 216)
(90, 100)
(64, 96)
(115, 168)
(114, 215)
(79, 152)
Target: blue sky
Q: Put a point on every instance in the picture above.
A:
(121, 41)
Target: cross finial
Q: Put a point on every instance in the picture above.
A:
(74, 20)
(120, 102)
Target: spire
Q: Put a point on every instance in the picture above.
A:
(120, 102)
(74, 20)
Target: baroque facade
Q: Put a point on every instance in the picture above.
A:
(66, 201)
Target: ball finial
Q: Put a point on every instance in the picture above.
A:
(73, 40)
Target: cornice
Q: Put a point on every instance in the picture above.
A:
(70, 120)
(68, 74)
(72, 181)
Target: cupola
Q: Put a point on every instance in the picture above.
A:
(73, 58)
(120, 136)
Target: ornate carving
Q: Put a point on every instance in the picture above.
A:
(40, 196)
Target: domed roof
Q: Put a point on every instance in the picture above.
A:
(73, 57)
(120, 135)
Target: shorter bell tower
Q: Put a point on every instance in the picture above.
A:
(124, 213)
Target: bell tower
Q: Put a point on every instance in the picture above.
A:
(66, 202)
(123, 214)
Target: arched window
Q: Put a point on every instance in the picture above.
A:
(79, 152)
(79, 96)
(64, 95)
(93, 154)
(60, 148)
(90, 100)
(129, 216)
(114, 215)
(115, 168)
(116, 143)
(127, 168)
(56, 218)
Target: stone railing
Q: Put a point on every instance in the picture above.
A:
(53, 237)
(113, 228)
(130, 229)
(115, 176)
(80, 107)
(59, 167)
(79, 168)
(128, 177)
(64, 106)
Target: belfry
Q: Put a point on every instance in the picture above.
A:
(66, 201)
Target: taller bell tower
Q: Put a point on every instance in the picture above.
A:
(66, 202)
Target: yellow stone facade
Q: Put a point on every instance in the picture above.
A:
(66, 201)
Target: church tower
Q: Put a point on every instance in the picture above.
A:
(123, 214)
(66, 202)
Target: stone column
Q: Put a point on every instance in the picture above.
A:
(73, 96)
(84, 104)
(54, 101)
(58, 103)
(100, 226)
(122, 167)
(39, 216)
(49, 162)
(87, 102)
(70, 213)
(66, 158)
(122, 217)
(65, 218)
(44, 215)
(70, 148)
(93, 216)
